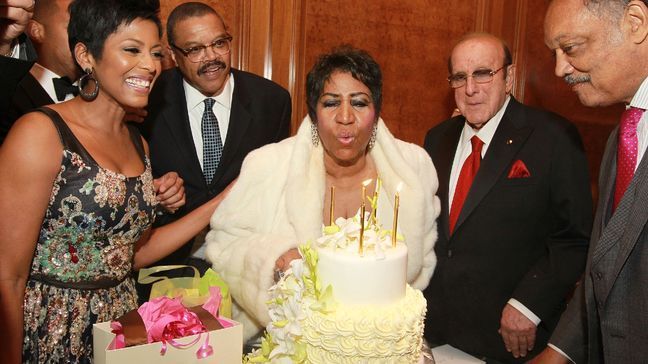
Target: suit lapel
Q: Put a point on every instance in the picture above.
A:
(176, 117)
(606, 180)
(34, 91)
(240, 120)
(510, 136)
(444, 160)
(624, 227)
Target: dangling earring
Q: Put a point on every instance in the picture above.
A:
(372, 138)
(86, 79)
(314, 134)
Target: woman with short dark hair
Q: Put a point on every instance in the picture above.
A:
(77, 198)
(282, 199)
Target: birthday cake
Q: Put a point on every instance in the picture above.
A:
(343, 303)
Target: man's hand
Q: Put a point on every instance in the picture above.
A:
(14, 16)
(135, 115)
(549, 356)
(518, 332)
(170, 191)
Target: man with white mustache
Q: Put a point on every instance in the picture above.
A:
(204, 117)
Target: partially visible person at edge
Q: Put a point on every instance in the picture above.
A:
(516, 212)
(77, 198)
(601, 49)
(13, 20)
(205, 117)
(282, 197)
(49, 78)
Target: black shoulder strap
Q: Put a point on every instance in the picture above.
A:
(68, 140)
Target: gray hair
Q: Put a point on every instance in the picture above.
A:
(613, 9)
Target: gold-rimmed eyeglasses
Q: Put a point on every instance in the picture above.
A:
(480, 76)
(220, 46)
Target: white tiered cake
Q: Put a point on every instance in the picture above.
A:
(379, 318)
(339, 306)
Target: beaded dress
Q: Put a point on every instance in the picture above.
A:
(81, 270)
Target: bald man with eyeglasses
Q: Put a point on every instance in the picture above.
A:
(516, 212)
(204, 117)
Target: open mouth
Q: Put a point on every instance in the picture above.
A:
(139, 84)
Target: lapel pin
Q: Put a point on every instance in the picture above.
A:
(509, 142)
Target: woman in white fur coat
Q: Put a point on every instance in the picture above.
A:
(281, 197)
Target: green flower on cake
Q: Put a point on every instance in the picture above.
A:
(293, 298)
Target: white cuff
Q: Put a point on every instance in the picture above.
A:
(560, 351)
(525, 311)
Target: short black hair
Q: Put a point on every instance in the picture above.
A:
(346, 59)
(188, 10)
(92, 21)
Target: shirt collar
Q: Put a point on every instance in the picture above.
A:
(195, 98)
(42, 74)
(487, 132)
(640, 98)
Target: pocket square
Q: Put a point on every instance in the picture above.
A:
(519, 170)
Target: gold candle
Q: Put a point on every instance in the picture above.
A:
(396, 203)
(396, 206)
(332, 209)
(362, 213)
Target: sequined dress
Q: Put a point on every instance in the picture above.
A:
(81, 271)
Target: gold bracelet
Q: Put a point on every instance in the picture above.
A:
(11, 50)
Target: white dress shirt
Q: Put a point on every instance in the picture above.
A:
(640, 100)
(222, 109)
(196, 107)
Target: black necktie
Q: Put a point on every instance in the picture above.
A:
(63, 87)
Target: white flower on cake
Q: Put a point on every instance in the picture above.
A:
(293, 299)
(345, 234)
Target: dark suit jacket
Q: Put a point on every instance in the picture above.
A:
(522, 238)
(19, 91)
(607, 320)
(260, 114)
(28, 95)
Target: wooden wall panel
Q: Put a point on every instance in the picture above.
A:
(409, 39)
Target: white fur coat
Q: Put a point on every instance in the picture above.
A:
(277, 204)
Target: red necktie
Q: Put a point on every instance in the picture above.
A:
(626, 152)
(466, 176)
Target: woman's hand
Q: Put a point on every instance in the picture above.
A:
(283, 263)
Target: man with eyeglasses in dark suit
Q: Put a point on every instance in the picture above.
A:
(205, 117)
(515, 212)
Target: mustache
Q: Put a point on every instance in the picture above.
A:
(210, 64)
(573, 80)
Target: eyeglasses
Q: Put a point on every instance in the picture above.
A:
(220, 46)
(480, 76)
